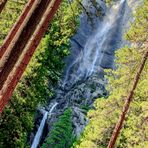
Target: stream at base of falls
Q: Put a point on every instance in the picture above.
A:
(92, 51)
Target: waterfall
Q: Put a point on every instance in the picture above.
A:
(39, 132)
(52, 108)
(92, 51)
(122, 1)
(41, 127)
(103, 42)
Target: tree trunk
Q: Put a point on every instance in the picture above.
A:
(2, 4)
(129, 98)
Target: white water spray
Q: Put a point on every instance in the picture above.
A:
(89, 60)
(39, 133)
(52, 108)
(122, 1)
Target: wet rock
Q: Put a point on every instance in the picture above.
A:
(79, 121)
(83, 79)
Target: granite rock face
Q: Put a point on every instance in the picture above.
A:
(93, 47)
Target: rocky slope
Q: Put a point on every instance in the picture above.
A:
(93, 47)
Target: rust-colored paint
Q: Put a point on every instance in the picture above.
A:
(22, 40)
(15, 28)
(2, 4)
(14, 74)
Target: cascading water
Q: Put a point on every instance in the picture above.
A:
(38, 135)
(83, 80)
(105, 40)
(39, 132)
(122, 1)
(92, 51)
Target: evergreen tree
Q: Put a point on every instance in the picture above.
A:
(61, 135)
(134, 133)
(41, 75)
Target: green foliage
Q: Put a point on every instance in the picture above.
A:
(61, 135)
(86, 108)
(102, 120)
(40, 77)
(108, 2)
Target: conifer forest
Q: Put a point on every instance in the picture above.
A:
(73, 73)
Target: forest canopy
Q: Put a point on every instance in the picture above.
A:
(42, 74)
(39, 82)
(102, 119)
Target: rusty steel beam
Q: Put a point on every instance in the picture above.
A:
(25, 47)
(15, 50)
(16, 27)
(2, 4)
(15, 32)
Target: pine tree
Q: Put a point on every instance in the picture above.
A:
(61, 135)
(103, 119)
(41, 76)
(128, 101)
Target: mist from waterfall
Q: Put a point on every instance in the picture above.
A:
(89, 60)
(92, 51)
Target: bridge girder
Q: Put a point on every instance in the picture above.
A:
(21, 43)
(2, 4)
